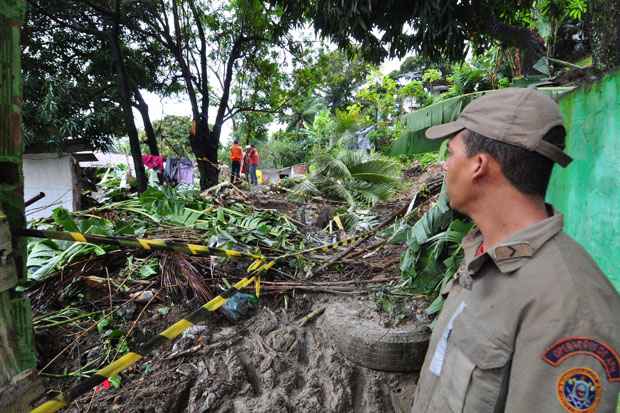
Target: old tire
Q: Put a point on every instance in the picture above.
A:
(368, 344)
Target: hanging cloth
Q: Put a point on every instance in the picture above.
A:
(185, 172)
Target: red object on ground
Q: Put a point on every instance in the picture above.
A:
(105, 385)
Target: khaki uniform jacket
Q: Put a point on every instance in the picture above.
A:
(532, 325)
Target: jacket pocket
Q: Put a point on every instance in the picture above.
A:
(455, 379)
(477, 361)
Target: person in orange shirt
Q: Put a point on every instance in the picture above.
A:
(236, 154)
(254, 160)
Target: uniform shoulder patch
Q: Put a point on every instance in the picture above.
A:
(574, 345)
(579, 390)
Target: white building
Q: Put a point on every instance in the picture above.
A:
(57, 175)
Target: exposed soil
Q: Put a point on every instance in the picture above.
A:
(268, 362)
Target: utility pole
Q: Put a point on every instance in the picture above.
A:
(19, 383)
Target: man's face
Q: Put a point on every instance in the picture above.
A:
(458, 177)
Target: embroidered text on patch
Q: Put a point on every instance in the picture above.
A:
(579, 390)
(572, 346)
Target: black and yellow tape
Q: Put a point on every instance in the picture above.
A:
(324, 248)
(259, 266)
(188, 248)
(169, 334)
(139, 243)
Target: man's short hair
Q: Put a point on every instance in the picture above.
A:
(526, 170)
(236, 142)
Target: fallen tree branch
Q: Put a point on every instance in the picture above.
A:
(420, 197)
(314, 314)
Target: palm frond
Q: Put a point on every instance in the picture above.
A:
(332, 167)
(353, 158)
(335, 189)
(305, 188)
(355, 177)
(371, 193)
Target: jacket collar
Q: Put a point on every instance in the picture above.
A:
(513, 253)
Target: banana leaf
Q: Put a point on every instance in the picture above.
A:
(412, 140)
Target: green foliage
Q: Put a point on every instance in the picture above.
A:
(115, 381)
(70, 82)
(236, 226)
(427, 159)
(549, 15)
(434, 249)
(252, 128)
(110, 183)
(379, 98)
(348, 119)
(322, 132)
(467, 78)
(286, 149)
(326, 79)
(140, 268)
(47, 256)
(438, 31)
(172, 133)
(431, 76)
(58, 110)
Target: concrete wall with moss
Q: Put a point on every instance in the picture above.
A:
(588, 191)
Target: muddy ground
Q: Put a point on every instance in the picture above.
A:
(265, 363)
(268, 363)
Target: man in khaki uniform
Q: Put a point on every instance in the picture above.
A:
(530, 324)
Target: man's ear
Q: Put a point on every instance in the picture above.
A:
(480, 165)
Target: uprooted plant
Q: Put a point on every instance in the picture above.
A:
(353, 177)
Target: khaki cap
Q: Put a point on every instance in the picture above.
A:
(516, 116)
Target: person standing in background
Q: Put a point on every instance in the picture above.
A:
(245, 163)
(236, 155)
(253, 160)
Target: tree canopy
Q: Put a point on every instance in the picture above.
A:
(437, 30)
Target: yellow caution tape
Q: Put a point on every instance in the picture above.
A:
(177, 328)
(49, 406)
(170, 333)
(119, 365)
(338, 222)
(196, 249)
(78, 237)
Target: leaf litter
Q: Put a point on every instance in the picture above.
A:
(92, 303)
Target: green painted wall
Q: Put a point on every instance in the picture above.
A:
(588, 191)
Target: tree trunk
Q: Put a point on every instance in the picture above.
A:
(124, 90)
(212, 167)
(605, 33)
(204, 145)
(143, 108)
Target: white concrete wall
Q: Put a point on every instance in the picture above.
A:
(52, 174)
